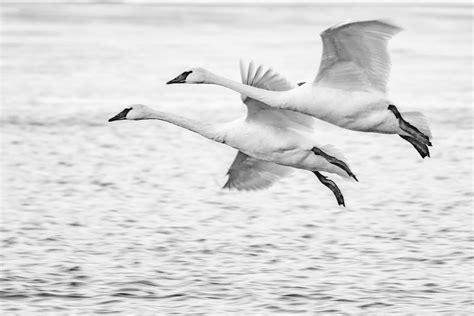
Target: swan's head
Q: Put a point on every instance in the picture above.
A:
(132, 112)
(194, 75)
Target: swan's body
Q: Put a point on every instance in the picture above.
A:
(284, 146)
(269, 140)
(350, 88)
(356, 110)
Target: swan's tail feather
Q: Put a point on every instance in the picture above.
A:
(418, 120)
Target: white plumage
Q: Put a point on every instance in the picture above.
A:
(247, 173)
(356, 50)
(270, 141)
(350, 89)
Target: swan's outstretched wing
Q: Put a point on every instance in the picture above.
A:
(355, 56)
(247, 173)
(263, 78)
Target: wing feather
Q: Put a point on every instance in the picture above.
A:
(355, 55)
(247, 173)
(243, 72)
(256, 77)
(271, 80)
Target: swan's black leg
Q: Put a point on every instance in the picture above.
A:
(410, 129)
(332, 186)
(422, 149)
(337, 162)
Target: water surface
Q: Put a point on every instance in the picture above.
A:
(129, 217)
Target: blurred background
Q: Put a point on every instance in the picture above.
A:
(102, 217)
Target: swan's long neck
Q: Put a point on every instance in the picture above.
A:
(272, 98)
(211, 131)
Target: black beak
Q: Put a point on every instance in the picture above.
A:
(121, 116)
(181, 78)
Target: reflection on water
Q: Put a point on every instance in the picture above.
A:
(129, 217)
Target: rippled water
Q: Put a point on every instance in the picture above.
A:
(130, 217)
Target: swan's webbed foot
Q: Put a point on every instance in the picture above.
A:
(410, 129)
(333, 160)
(422, 149)
(332, 186)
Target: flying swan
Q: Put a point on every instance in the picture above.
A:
(350, 89)
(269, 141)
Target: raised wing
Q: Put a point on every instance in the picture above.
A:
(267, 79)
(355, 56)
(262, 78)
(248, 173)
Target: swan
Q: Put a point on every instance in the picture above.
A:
(270, 142)
(350, 88)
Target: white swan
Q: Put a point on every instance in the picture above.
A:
(269, 140)
(350, 88)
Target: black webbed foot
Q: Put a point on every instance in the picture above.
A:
(408, 128)
(333, 160)
(332, 186)
(422, 149)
